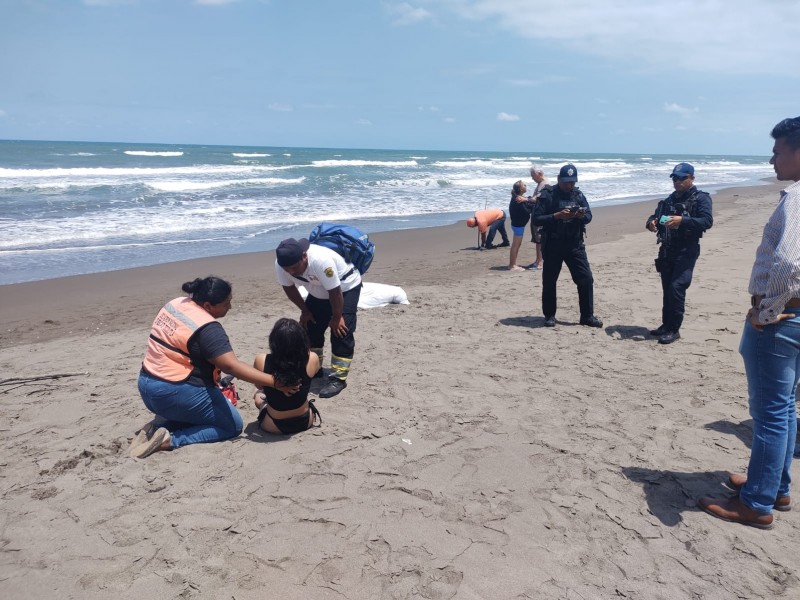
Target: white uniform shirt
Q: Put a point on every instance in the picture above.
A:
(324, 272)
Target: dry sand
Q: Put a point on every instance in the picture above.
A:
(475, 453)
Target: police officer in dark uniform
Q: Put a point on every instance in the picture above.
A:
(679, 221)
(563, 213)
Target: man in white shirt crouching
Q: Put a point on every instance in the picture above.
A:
(334, 287)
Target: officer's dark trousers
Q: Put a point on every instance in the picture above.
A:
(676, 277)
(556, 252)
(343, 347)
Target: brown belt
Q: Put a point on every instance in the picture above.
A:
(792, 303)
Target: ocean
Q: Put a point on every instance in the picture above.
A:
(82, 207)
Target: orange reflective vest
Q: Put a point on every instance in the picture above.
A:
(167, 354)
(487, 217)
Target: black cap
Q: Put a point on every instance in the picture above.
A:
(568, 173)
(289, 252)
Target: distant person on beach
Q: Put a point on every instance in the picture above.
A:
(542, 182)
(680, 221)
(290, 361)
(489, 222)
(563, 213)
(334, 287)
(520, 211)
(179, 378)
(770, 347)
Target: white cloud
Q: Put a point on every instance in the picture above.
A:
(681, 110)
(279, 107)
(365, 122)
(3, 113)
(737, 36)
(502, 116)
(405, 14)
(449, 119)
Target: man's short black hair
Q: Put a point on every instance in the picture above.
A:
(789, 130)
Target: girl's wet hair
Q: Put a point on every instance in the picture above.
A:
(209, 289)
(289, 346)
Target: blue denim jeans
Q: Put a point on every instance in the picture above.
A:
(192, 414)
(772, 363)
(497, 226)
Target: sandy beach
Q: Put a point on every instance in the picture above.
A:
(475, 454)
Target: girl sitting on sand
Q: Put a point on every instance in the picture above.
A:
(290, 362)
(179, 379)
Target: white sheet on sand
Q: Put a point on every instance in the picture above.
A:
(374, 295)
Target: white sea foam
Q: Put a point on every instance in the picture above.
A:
(191, 186)
(364, 163)
(138, 171)
(149, 153)
(249, 155)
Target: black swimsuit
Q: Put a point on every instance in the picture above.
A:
(278, 401)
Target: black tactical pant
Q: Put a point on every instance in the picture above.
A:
(555, 252)
(677, 268)
(343, 347)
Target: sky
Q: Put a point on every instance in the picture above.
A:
(637, 76)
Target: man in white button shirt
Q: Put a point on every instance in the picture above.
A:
(334, 287)
(770, 348)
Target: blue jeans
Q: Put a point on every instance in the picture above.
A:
(772, 363)
(497, 226)
(193, 414)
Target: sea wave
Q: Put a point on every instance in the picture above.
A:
(504, 164)
(193, 186)
(364, 163)
(249, 155)
(151, 153)
(6, 173)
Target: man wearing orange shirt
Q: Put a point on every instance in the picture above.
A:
(489, 222)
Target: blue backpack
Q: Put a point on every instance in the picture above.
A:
(350, 243)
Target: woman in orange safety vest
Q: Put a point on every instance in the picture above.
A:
(186, 351)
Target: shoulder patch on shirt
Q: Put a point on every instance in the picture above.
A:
(329, 272)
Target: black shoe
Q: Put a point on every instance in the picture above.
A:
(333, 387)
(660, 331)
(504, 245)
(669, 337)
(592, 322)
(489, 246)
(550, 322)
